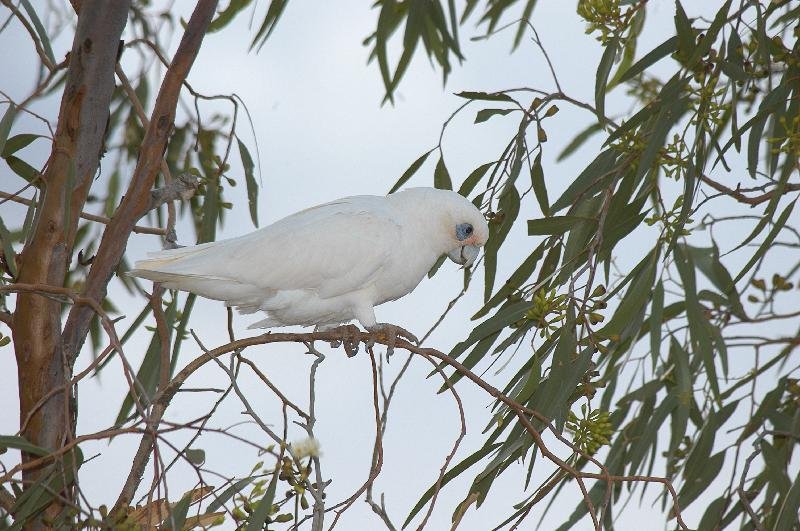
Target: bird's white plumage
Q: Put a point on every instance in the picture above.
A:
(327, 264)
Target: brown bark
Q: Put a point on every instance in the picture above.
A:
(137, 198)
(45, 354)
(77, 147)
(136, 203)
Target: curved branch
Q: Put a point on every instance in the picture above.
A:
(351, 333)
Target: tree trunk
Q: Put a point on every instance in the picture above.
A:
(65, 184)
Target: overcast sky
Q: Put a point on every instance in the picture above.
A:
(323, 134)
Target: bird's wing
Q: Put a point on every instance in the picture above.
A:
(331, 249)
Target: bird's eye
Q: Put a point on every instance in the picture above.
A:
(463, 231)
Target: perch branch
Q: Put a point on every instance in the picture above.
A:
(523, 414)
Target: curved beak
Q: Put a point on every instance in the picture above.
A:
(464, 255)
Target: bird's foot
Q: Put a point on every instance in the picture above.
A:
(389, 333)
(349, 336)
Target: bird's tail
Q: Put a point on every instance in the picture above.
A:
(175, 269)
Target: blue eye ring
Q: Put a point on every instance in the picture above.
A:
(463, 231)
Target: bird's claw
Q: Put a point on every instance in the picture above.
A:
(349, 337)
(389, 333)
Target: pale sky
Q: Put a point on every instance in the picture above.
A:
(323, 134)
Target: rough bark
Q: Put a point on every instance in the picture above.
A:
(65, 183)
(137, 197)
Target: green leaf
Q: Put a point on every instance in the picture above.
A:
(523, 27)
(679, 359)
(39, 495)
(177, 514)
(149, 370)
(653, 56)
(5, 126)
(787, 516)
(451, 474)
(228, 14)
(196, 456)
(656, 322)
(773, 100)
(259, 515)
(776, 463)
(514, 282)
(20, 443)
(539, 188)
(554, 225)
(630, 312)
(701, 449)
(644, 436)
(509, 206)
(8, 249)
(180, 330)
(252, 186)
(628, 51)
(485, 114)
(505, 315)
(40, 31)
(274, 12)
(22, 168)
(590, 181)
(601, 77)
(579, 140)
(707, 261)
(227, 494)
(686, 42)
(671, 111)
(410, 172)
(441, 177)
(642, 116)
(580, 237)
(531, 382)
(436, 266)
(710, 35)
(477, 353)
(713, 515)
(566, 371)
(706, 474)
(765, 245)
(485, 96)
(472, 180)
(698, 324)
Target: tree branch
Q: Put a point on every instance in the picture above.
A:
(740, 197)
(67, 178)
(352, 334)
(157, 200)
(137, 198)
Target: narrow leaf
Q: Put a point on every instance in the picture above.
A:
(601, 77)
(485, 114)
(5, 126)
(252, 185)
(485, 96)
(472, 180)
(441, 177)
(410, 172)
(653, 56)
(259, 516)
(539, 188)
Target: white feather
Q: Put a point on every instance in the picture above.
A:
(327, 264)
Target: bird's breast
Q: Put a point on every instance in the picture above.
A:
(401, 275)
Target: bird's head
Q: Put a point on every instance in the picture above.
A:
(468, 231)
(459, 227)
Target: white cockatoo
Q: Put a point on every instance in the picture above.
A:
(331, 263)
